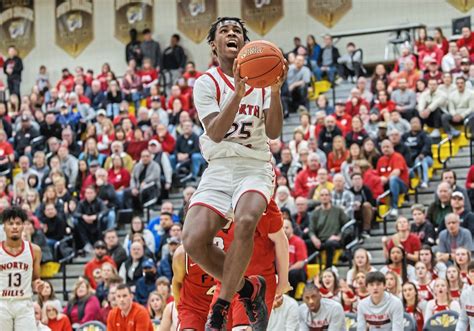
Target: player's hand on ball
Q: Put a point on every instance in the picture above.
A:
(38, 286)
(283, 288)
(239, 82)
(281, 79)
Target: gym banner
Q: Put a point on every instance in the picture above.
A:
(17, 26)
(129, 14)
(462, 5)
(261, 15)
(329, 12)
(74, 25)
(195, 17)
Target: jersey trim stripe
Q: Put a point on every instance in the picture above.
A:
(218, 89)
(208, 206)
(186, 263)
(31, 252)
(14, 255)
(226, 80)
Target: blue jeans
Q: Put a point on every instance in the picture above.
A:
(113, 109)
(110, 219)
(396, 186)
(196, 162)
(331, 72)
(426, 163)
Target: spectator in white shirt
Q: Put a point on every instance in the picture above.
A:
(460, 106)
(284, 315)
(448, 64)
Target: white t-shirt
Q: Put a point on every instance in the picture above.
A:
(246, 137)
(330, 316)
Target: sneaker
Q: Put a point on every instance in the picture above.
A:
(255, 305)
(435, 134)
(454, 133)
(393, 212)
(365, 234)
(212, 324)
(424, 185)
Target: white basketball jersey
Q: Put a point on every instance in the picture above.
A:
(16, 273)
(246, 137)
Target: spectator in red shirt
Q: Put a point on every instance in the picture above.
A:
(79, 89)
(165, 138)
(354, 103)
(93, 266)
(433, 71)
(393, 170)
(7, 154)
(470, 184)
(384, 105)
(67, 80)
(467, 40)
(343, 119)
(440, 40)
(307, 178)
(430, 50)
(102, 77)
(409, 241)
(148, 75)
(191, 74)
(338, 155)
(298, 255)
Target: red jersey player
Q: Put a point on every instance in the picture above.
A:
(270, 251)
(192, 290)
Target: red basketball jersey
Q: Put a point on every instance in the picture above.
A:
(198, 288)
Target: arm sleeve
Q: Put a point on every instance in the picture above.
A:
(303, 326)
(338, 322)
(142, 320)
(361, 324)
(267, 97)
(205, 97)
(291, 323)
(463, 320)
(397, 316)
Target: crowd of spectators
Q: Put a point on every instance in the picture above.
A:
(74, 153)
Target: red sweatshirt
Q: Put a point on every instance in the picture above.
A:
(468, 43)
(470, 177)
(168, 143)
(304, 182)
(373, 182)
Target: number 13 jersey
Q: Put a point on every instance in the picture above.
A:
(16, 272)
(246, 137)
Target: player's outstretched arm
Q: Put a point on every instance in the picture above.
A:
(179, 271)
(274, 114)
(282, 260)
(218, 123)
(37, 282)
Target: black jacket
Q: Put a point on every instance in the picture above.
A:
(188, 145)
(364, 195)
(85, 207)
(118, 254)
(56, 227)
(98, 100)
(53, 130)
(405, 151)
(174, 58)
(107, 193)
(17, 64)
(335, 56)
(417, 143)
(426, 232)
(325, 138)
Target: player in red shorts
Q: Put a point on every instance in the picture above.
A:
(192, 290)
(270, 251)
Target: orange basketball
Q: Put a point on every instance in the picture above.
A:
(262, 62)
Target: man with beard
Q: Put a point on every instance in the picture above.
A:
(327, 134)
(100, 257)
(165, 268)
(146, 284)
(114, 249)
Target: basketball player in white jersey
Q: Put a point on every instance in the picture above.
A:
(19, 274)
(239, 181)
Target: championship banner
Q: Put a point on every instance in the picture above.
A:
(328, 12)
(74, 25)
(195, 17)
(132, 14)
(261, 15)
(17, 26)
(462, 5)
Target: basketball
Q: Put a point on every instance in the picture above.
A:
(262, 62)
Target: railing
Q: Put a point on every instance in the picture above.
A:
(440, 144)
(417, 166)
(468, 134)
(378, 203)
(64, 261)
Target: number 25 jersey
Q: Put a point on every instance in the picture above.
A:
(16, 272)
(246, 137)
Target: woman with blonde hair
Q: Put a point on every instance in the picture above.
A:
(156, 305)
(53, 317)
(284, 199)
(84, 305)
(360, 263)
(455, 282)
(108, 274)
(297, 143)
(423, 282)
(338, 155)
(393, 284)
(462, 257)
(403, 237)
(442, 300)
(305, 125)
(91, 152)
(20, 191)
(106, 137)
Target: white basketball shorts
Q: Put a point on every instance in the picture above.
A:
(17, 314)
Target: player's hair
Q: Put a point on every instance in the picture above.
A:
(375, 277)
(309, 287)
(211, 35)
(124, 286)
(12, 213)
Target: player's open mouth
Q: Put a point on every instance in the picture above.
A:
(232, 44)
